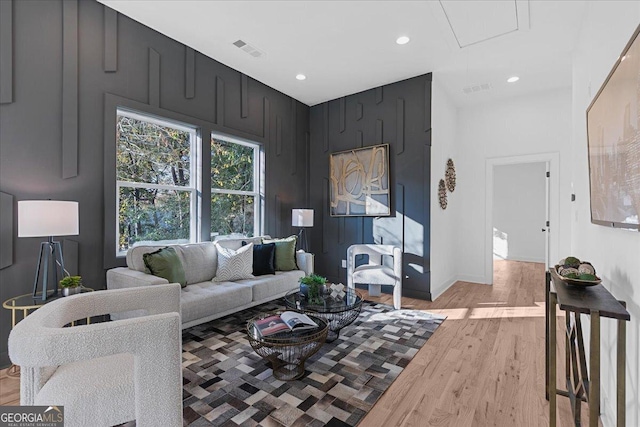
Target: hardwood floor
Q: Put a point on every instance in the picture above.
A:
(9, 389)
(483, 367)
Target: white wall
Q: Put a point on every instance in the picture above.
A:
(519, 198)
(443, 222)
(522, 126)
(615, 253)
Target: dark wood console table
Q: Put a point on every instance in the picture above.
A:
(583, 385)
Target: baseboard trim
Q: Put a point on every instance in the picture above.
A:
(471, 279)
(525, 259)
(438, 290)
(413, 293)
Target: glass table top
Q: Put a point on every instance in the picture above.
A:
(349, 300)
(28, 301)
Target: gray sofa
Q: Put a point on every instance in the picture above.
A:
(202, 299)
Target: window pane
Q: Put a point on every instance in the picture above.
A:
(231, 166)
(232, 213)
(153, 215)
(150, 153)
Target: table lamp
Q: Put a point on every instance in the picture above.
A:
(48, 218)
(302, 218)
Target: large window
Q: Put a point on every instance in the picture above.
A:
(235, 187)
(156, 173)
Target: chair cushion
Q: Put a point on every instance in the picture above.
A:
(96, 389)
(166, 264)
(285, 253)
(234, 265)
(265, 287)
(203, 299)
(374, 275)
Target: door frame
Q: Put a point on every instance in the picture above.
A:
(553, 203)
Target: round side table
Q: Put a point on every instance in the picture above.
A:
(26, 304)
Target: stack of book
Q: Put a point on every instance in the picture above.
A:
(287, 321)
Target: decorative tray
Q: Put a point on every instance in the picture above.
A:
(577, 282)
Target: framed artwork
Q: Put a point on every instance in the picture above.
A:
(360, 182)
(614, 143)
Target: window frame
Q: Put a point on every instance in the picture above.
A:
(258, 180)
(195, 173)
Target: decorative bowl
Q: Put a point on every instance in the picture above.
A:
(577, 282)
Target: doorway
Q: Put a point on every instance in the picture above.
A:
(520, 211)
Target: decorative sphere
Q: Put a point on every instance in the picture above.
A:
(586, 269)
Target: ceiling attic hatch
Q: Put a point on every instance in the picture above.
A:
(477, 22)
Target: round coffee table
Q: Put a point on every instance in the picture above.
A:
(287, 351)
(338, 311)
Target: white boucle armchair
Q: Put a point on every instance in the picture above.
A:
(376, 273)
(107, 373)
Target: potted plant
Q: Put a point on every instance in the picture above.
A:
(71, 285)
(312, 287)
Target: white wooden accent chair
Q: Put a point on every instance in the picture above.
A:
(376, 273)
(104, 373)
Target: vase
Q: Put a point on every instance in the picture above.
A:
(70, 291)
(304, 290)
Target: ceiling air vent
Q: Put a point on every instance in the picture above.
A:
(251, 50)
(476, 88)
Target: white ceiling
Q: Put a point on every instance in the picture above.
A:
(344, 47)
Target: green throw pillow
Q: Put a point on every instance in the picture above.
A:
(166, 264)
(285, 259)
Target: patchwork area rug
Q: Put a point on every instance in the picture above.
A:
(225, 383)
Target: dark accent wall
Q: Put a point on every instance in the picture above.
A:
(66, 66)
(397, 114)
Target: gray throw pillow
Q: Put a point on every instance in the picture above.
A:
(234, 265)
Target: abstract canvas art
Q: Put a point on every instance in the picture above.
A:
(360, 182)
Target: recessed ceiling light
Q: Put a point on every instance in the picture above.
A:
(301, 77)
(402, 40)
(513, 79)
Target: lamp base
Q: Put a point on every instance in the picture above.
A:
(50, 255)
(302, 239)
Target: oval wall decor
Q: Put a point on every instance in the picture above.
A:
(450, 175)
(442, 194)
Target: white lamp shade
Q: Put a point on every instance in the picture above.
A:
(40, 218)
(302, 217)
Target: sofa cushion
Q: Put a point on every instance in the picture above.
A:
(204, 299)
(285, 253)
(165, 263)
(236, 244)
(135, 254)
(264, 257)
(265, 287)
(234, 265)
(199, 260)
